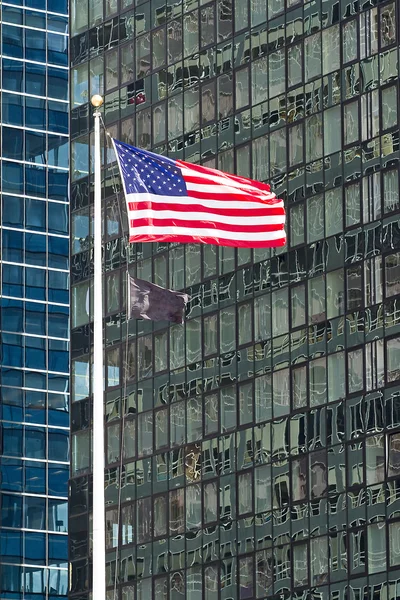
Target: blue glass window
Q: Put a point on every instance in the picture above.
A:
(35, 45)
(35, 147)
(58, 289)
(35, 113)
(58, 252)
(12, 350)
(35, 249)
(35, 405)
(11, 577)
(11, 510)
(12, 280)
(35, 477)
(58, 410)
(58, 321)
(13, 211)
(58, 356)
(11, 546)
(40, 4)
(11, 475)
(35, 548)
(35, 442)
(57, 23)
(57, 49)
(58, 83)
(57, 151)
(58, 479)
(12, 15)
(58, 184)
(35, 284)
(13, 75)
(58, 116)
(11, 377)
(35, 513)
(35, 181)
(58, 516)
(13, 109)
(35, 214)
(35, 354)
(58, 383)
(35, 319)
(58, 550)
(12, 439)
(34, 379)
(12, 180)
(58, 6)
(58, 218)
(12, 412)
(58, 445)
(12, 315)
(12, 41)
(12, 143)
(13, 243)
(35, 19)
(35, 79)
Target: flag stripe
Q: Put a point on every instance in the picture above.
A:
(221, 192)
(203, 239)
(206, 232)
(209, 210)
(195, 217)
(197, 220)
(220, 205)
(212, 173)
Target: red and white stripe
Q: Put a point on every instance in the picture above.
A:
(220, 208)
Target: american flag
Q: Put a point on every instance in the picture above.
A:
(174, 201)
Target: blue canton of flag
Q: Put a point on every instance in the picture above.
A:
(144, 171)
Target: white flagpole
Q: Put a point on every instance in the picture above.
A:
(99, 541)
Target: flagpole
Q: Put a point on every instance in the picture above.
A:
(99, 552)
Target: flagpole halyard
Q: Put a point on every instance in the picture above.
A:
(99, 554)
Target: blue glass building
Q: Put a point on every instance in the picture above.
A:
(34, 299)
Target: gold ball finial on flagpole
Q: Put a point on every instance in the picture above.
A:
(96, 100)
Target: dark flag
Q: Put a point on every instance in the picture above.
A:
(154, 303)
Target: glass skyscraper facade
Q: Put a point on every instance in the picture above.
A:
(34, 297)
(253, 452)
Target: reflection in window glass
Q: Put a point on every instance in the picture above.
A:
(377, 547)
(295, 70)
(317, 381)
(319, 560)
(80, 452)
(211, 409)
(394, 544)
(390, 191)
(393, 359)
(355, 370)
(312, 51)
(210, 332)
(300, 564)
(336, 376)
(394, 455)
(349, 40)
(80, 378)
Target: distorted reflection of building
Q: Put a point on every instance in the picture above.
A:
(254, 451)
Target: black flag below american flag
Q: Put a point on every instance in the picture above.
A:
(154, 303)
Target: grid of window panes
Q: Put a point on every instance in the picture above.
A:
(253, 452)
(34, 297)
